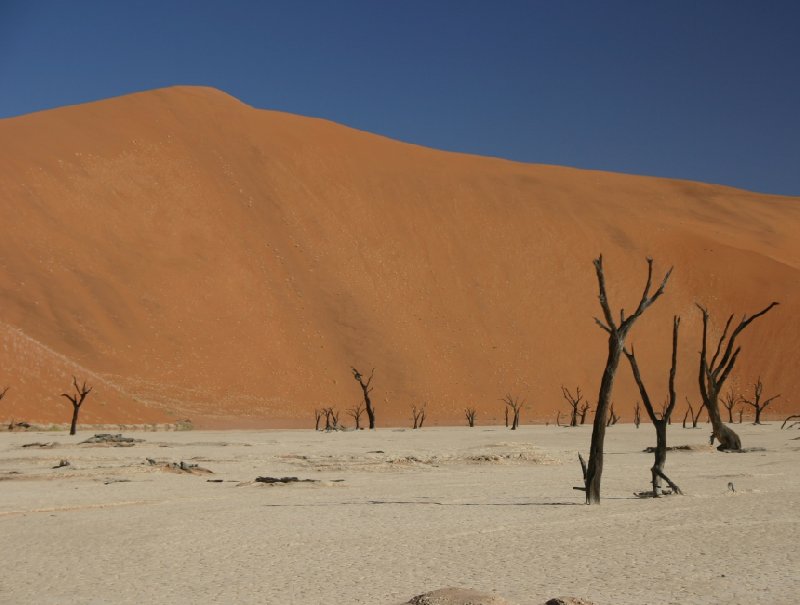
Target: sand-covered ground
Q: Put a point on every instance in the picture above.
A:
(395, 513)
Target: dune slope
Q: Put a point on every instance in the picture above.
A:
(194, 257)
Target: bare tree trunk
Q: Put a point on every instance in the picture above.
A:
(81, 392)
(713, 374)
(788, 419)
(366, 390)
(594, 469)
(73, 427)
(584, 411)
(355, 413)
(573, 401)
(470, 415)
(729, 401)
(616, 343)
(660, 424)
(756, 403)
(418, 415)
(516, 407)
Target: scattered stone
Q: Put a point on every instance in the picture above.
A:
(181, 467)
(457, 596)
(108, 439)
(110, 481)
(284, 480)
(47, 445)
(649, 493)
(745, 450)
(568, 601)
(62, 464)
(678, 448)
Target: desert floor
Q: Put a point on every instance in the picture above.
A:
(396, 513)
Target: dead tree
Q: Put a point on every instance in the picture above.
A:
(558, 418)
(470, 415)
(612, 417)
(741, 411)
(331, 419)
(584, 411)
(616, 343)
(664, 411)
(637, 414)
(714, 372)
(695, 417)
(367, 389)
(660, 424)
(418, 414)
(690, 414)
(515, 405)
(317, 417)
(506, 415)
(355, 413)
(756, 403)
(788, 418)
(729, 402)
(3, 394)
(81, 391)
(574, 401)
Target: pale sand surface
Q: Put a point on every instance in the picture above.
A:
(483, 508)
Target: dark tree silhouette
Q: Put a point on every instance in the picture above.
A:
(574, 402)
(690, 414)
(756, 403)
(469, 413)
(515, 405)
(616, 343)
(584, 410)
(714, 372)
(77, 399)
(355, 413)
(660, 424)
(418, 415)
(366, 389)
(3, 394)
(664, 411)
(637, 414)
(317, 417)
(331, 419)
(788, 418)
(612, 416)
(729, 402)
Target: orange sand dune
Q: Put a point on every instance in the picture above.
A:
(193, 257)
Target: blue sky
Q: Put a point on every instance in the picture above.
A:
(702, 90)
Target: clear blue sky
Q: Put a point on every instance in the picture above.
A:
(703, 90)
